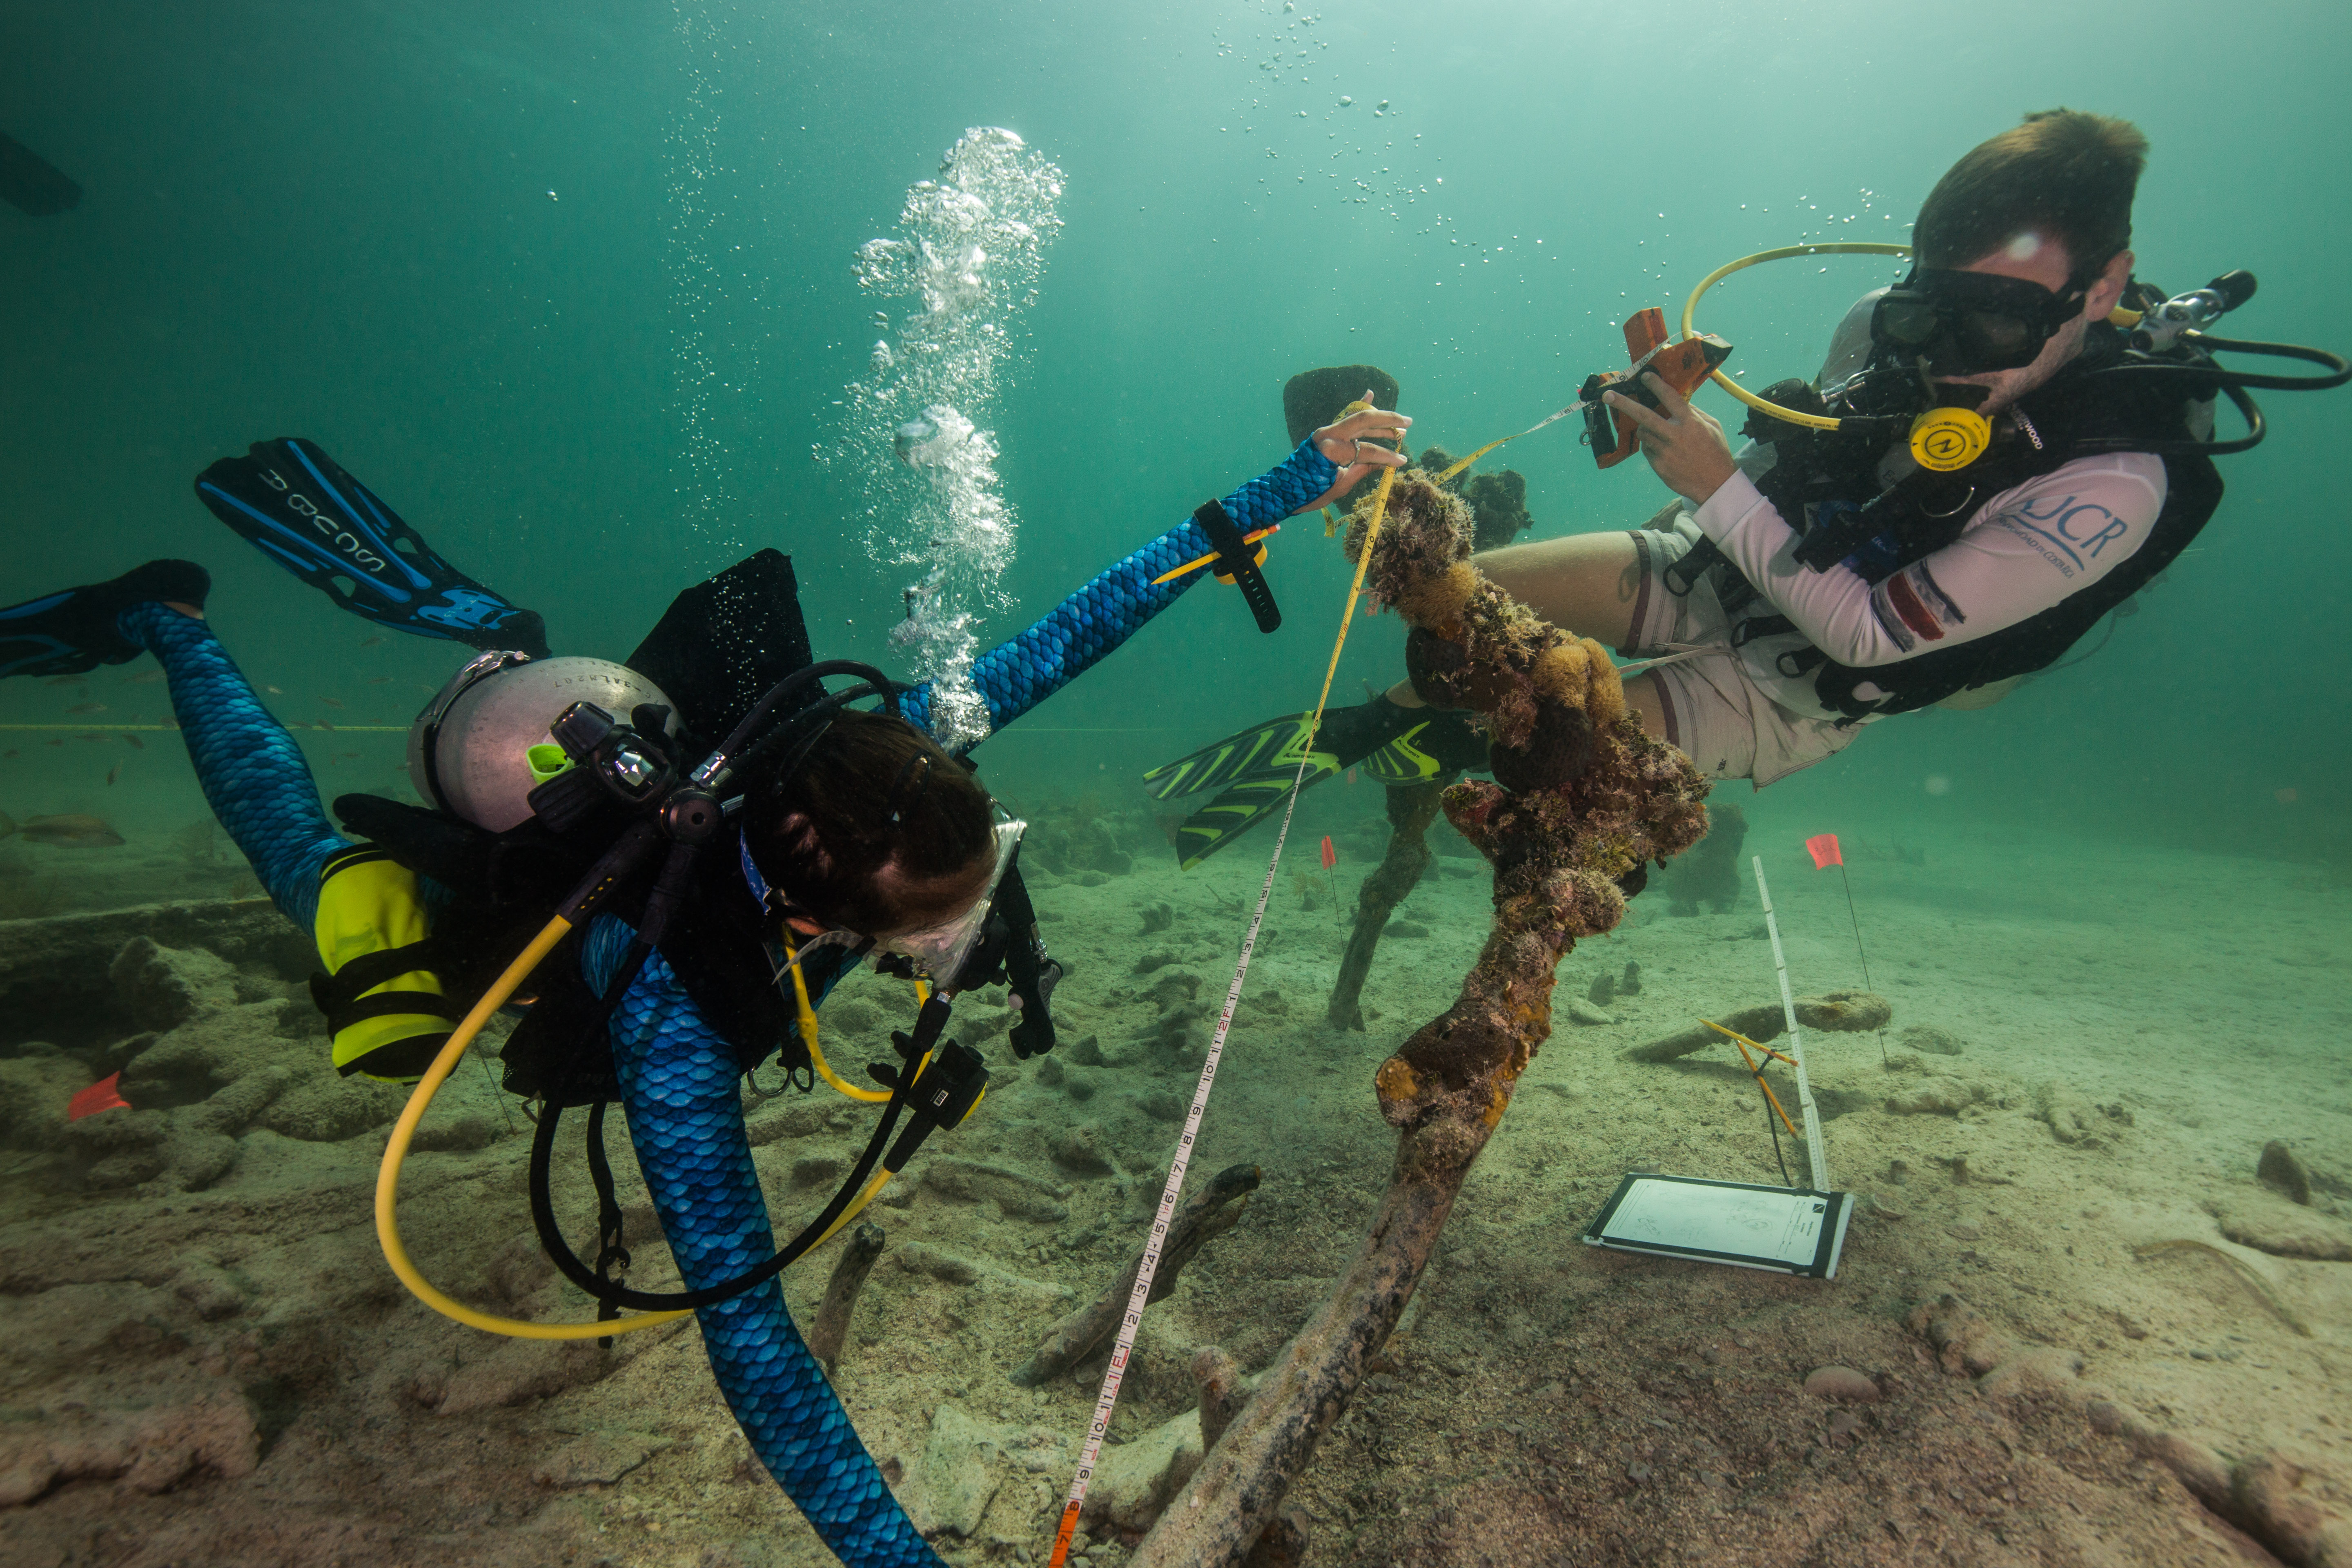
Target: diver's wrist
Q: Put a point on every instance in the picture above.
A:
(1283, 489)
(1308, 461)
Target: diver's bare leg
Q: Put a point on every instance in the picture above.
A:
(1641, 696)
(1589, 581)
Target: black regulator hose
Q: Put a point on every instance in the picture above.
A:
(2339, 371)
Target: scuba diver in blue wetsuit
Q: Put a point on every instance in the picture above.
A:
(657, 910)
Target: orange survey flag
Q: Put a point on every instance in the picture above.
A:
(1825, 848)
(100, 1096)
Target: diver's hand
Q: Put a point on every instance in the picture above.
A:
(1349, 444)
(1684, 445)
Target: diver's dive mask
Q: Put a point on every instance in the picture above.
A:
(939, 952)
(1965, 323)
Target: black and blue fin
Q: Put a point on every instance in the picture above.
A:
(299, 507)
(724, 643)
(75, 629)
(1268, 745)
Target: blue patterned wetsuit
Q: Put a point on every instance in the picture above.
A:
(1015, 676)
(678, 1074)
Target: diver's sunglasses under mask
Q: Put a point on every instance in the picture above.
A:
(1965, 323)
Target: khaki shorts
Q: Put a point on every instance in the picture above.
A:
(1713, 710)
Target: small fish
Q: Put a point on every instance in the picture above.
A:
(144, 678)
(9, 752)
(66, 681)
(113, 773)
(78, 832)
(170, 723)
(87, 708)
(93, 735)
(345, 756)
(136, 743)
(55, 741)
(373, 642)
(323, 725)
(329, 702)
(275, 691)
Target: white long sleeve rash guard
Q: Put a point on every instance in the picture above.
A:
(2022, 551)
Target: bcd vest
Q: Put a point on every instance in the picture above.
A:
(503, 889)
(1816, 476)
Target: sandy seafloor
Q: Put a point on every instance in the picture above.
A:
(229, 1374)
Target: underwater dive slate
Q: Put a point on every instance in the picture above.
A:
(1767, 1227)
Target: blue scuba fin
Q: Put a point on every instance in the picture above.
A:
(297, 506)
(76, 630)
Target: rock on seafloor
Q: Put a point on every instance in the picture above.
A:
(1841, 1385)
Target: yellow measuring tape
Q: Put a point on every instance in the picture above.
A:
(1108, 1399)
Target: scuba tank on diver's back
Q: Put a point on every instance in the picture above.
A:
(469, 752)
(386, 990)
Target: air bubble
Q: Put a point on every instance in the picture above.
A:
(969, 249)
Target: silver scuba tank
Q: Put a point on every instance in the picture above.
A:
(468, 751)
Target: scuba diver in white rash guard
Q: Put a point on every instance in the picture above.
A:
(1999, 451)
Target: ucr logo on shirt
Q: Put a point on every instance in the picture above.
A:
(2080, 528)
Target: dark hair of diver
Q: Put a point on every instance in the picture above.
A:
(2063, 175)
(837, 839)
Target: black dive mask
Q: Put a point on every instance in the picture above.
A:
(1964, 324)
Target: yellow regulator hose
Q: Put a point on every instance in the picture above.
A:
(1690, 308)
(387, 1180)
(816, 1055)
